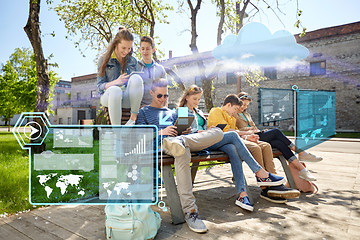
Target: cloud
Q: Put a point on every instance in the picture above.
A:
(255, 45)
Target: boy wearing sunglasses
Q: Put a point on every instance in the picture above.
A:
(179, 147)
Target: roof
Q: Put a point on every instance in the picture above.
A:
(345, 29)
(84, 77)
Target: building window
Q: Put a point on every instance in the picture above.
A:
(270, 73)
(78, 96)
(60, 121)
(317, 68)
(93, 94)
(69, 121)
(198, 81)
(231, 78)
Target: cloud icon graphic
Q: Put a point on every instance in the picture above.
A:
(255, 45)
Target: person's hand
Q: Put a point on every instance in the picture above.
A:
(253, 138)
(121, 80)
(169, 130)
(187, 131)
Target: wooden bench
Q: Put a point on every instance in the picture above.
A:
(218, 157)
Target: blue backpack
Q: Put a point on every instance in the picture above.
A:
(131, 222)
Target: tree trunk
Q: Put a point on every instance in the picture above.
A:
(32, 30)
(8, 122)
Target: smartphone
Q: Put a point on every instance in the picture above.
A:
(221, 126)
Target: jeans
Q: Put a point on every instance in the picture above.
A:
(115, 98)
(232, 145)
(278, 140)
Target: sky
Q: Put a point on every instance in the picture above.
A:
(175, 36)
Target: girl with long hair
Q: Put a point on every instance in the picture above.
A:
(117, 88)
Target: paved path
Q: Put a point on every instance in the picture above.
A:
(333, 213)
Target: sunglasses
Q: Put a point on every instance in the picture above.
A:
(246, 97)
(160, 95)
(196, 89)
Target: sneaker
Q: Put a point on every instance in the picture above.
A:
(174, 146)
(272, 180)
(264, 195)
(306, 175)
(282, 192)
(244, 203)
(130, 122)
(310, 158)
(194, 222)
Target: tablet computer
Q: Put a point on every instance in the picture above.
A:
(183, 123)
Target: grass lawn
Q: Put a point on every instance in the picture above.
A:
(14, 175)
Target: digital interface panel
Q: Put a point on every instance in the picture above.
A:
(315, 117)
(89, 164)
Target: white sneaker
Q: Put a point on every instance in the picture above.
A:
(195, 223)
(306, 175)
(174, 146)
(310, 158)
(130, 122)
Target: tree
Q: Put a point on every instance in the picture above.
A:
(18, 83)
(8, 86)
(98, 20)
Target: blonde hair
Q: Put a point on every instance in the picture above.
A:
(192, 90)
(123, 34)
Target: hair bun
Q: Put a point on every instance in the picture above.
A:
(121, 28)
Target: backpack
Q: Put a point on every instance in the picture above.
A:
(131, 222)
(301, 184)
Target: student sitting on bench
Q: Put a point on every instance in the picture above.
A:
(180, 148)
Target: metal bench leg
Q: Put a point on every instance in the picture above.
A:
(286, 168)
(177, 214)
(194, 168)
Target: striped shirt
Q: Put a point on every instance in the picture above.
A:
(151, 116)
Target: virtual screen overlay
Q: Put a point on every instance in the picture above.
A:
(315, 112)
(315, 117)
(89, 164)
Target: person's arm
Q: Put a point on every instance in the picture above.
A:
(101, 81)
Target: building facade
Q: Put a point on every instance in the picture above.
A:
(83, 103)
(333, 64)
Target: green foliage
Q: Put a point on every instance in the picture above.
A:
(18, 83)
(254, 77)
(94, 22)
(14, 176)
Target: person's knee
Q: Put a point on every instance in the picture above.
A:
(115, 92)
(218, 134)
(136, 81)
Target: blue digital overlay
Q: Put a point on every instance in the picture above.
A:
(256, 45)
(89, 164)
(315, 117)
(275, 105)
